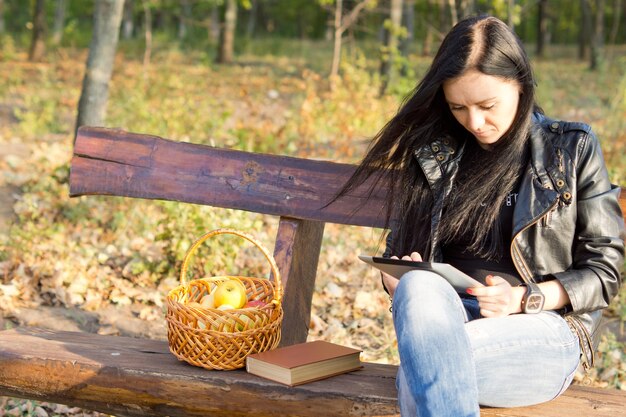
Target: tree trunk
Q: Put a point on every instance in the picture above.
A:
(2, 26)
(147, 53)
(408, 17)
(428, 39)
(467, 8)
(128, 26)
(585, 30)
(328, 33)
(440, 15)
(542, 27)
(95, 92)
(252, 18)
(454, 18)
(214, 25)
(341, 25)
(59, 21)
(227, 34)
(617, 12)
(390, 47)
(185, 15)
(38, 44)
(511, 14)
(334, 68)
(597, 43)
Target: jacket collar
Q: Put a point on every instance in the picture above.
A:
(543, 183)
(439, 159)
(547, 160)
(541, 187)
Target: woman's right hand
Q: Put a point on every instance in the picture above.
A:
(390, 282)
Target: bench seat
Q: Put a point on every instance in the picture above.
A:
(140, 377)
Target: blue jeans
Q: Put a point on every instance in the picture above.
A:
(452, 360)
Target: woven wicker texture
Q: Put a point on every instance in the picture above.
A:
(221, 339)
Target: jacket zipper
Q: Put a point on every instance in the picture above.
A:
(523, 270)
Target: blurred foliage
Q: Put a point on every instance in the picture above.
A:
(302, 19)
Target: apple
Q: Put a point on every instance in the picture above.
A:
(255, 304)
(231, 292)
(208, 301)
(222, 326)
(247, 323)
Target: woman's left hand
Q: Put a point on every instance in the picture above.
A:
(498, 298)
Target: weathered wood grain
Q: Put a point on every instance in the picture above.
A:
(136, 377)
(577, 401)
(296, 252)
(114, 162)
(139, 377)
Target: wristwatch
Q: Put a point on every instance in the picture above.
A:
(533, 300)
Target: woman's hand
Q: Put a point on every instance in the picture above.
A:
(390, 282)
(498, 298)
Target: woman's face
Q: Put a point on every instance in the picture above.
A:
(483, 104)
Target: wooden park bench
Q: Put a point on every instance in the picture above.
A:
(139, 377)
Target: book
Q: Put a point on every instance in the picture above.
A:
(398, 267)
(304, 362)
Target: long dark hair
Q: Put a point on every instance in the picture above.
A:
(488, 45)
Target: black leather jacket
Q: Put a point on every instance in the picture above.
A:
(567, 222)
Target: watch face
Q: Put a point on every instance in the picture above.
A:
(534, 303)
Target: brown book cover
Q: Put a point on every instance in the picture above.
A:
(304, 362)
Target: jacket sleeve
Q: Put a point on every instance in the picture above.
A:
(598, 250)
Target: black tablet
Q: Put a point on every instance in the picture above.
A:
(398, 267)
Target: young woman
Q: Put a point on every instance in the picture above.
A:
(482, 180)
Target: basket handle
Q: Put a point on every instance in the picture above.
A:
(270, 258)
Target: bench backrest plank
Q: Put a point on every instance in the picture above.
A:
(114, 162)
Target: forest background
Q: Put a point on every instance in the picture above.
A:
(309, 78)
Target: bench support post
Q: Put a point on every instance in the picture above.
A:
(297, 250)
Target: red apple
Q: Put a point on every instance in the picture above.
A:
(255, 304)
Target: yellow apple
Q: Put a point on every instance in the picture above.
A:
(208, 301)
(247, 323)
(231, 292)
(224, 324)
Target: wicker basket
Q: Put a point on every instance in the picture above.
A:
(221, 339)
